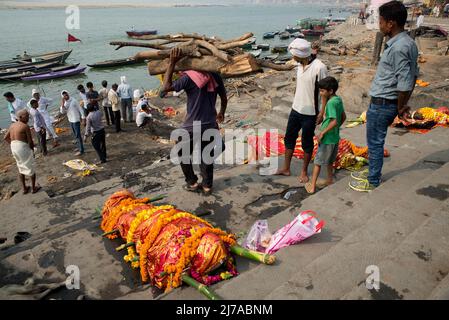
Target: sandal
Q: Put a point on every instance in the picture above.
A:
(207, 191)
(192, 188)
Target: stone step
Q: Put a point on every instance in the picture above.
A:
(340, 224)
(345, 264)
(418, 267)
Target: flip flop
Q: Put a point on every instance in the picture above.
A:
(190, 188)
(208, 192)
(308, 187)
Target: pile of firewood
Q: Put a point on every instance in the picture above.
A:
(209, 54)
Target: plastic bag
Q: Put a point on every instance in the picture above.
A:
(302, 227)
(258, 237)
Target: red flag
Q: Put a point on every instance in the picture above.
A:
(72, 38)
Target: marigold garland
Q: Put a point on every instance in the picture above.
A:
(188, 251)
(142, 216)
(163, 220)
(123, 207)
(434, 115)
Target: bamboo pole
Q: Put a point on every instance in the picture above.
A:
(253, 255)
(203, 289)
(109, 233)
(124, 246)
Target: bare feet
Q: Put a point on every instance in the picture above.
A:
(309, 188)
(207, 191)
(283, 172)
(36, 189)
(322, 183)
(303, 178)
(26, 190)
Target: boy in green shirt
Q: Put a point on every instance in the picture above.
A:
(329, 137)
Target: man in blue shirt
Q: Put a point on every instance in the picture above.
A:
(390, 91)
(202, 89)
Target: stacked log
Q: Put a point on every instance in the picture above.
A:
(202, 53)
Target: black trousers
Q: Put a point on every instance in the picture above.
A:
(110, 119)
(296, 123)
(206, 169)
(99, 144)
(42, 139)
(117, 119)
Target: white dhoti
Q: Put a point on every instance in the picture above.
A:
(24, 157)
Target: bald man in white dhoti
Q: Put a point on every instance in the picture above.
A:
(22, 146)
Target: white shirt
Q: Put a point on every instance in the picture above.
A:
(140, 117)
(124, 91)
(104, 95)
(43, 107)
(17, 105)
(84, 98)
(73, 110)
(419, 21)
(304, 102)
(140, 103)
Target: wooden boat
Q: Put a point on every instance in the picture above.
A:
(59, 57)
(279, 49)
(55, 75)
(290, 29)
(114, 63)
(284, 58)
(10, 71)
(255, 47)
(297, 35)
(138, 33)
(271, 57)
(263, 46)
(269, 35)
(29, 73)
(249, 44)
(313, 33)
(255, 53)
(284, 35)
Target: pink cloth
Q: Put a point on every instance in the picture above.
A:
(201, 79)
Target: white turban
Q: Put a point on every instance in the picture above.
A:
(34, 91)
(300, 48)
(137, 94)
(123, 79)
(64, 91)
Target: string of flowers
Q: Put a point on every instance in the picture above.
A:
(210, 280)
(125, 206)
(141, 217)
(163, 220)
(189, 250)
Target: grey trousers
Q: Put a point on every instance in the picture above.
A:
(127, 109)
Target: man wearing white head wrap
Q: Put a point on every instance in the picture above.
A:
(126, 99)
(44, 103)
(305, 112)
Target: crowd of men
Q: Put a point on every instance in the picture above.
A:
(390, 92)
(92, 110)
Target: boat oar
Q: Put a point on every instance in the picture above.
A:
(253, 255)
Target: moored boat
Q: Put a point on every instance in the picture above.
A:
(269, 35)
(249, 44)
(313, 33)
(114, 63)
(29, 73)
(271, 57)
(279, 49)
(138, 33)
(255, 53)
(297, 35)
(263, 46)
(56, 74)
(284, 35)
(59, 57)
(290, 29)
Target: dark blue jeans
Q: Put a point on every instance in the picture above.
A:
(76, 130)
(378, 119)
